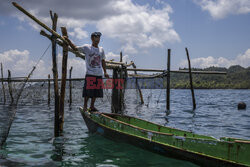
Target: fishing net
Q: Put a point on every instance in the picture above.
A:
(37, 93)
(7, 115)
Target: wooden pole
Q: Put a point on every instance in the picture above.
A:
(70, 86)
(48, 89)
(115, 94)
(168, 81)
(3, 89)
(64, 75)
(191, 80)
(137, 84)
(54, 18)
(121, 91)
(121, 56)
(10, 86)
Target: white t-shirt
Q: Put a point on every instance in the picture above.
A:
(93, 59)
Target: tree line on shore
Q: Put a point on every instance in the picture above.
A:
(237, 77)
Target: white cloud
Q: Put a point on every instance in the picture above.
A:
(79, 33)
(134, 26)
(116, 57)
(219, 9)
(139, 26)
(203, 62)
(78, 64)
(20, 64)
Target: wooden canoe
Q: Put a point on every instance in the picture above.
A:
(199, 149)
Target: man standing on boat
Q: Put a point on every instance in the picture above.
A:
(95, 66)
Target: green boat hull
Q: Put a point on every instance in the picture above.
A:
(175, 143)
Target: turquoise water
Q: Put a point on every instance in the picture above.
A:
(31, 142)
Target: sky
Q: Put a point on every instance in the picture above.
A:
(216, 33)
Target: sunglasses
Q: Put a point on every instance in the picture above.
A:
(97, 34)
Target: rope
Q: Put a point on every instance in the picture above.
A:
(42, 55)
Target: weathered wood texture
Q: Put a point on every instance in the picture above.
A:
(54, 18)
(63, 82)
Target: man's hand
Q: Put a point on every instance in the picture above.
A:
(106, 75)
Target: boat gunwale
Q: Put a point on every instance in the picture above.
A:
(163, 133)
(157, 142)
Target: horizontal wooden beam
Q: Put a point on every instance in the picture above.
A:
(177, 71)
(40, 80)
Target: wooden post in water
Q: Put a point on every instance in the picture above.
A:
(3, 89)
(48, 89)
(115, 105)
(137, 84)
(10, 86)
(70, 86)
(54, 18)
(191, 80)
(168, 81)
(64, 76)
(121, 91)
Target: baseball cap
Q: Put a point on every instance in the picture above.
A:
(96, 34)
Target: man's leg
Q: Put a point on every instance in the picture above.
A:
(92, 105)
(85, 103)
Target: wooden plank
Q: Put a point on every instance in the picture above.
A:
(3, 88)
(63, 82)
(168, 82)
(191, 80)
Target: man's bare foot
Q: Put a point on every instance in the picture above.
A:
(85, 109)
(93, 109)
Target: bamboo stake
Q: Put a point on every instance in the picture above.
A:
(4, 97)
(70, 86)
(137, 84)
(48, 89)
(38, 22)
(191, 80)
(55, 75)
(64, 75)
(10, 86)
(168, 81)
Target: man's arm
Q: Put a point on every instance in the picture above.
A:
(104, 68)
(73, 46)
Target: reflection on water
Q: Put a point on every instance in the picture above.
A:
(31, 142)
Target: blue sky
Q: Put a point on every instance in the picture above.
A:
(216, 32)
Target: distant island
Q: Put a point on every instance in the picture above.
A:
(237, 78)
